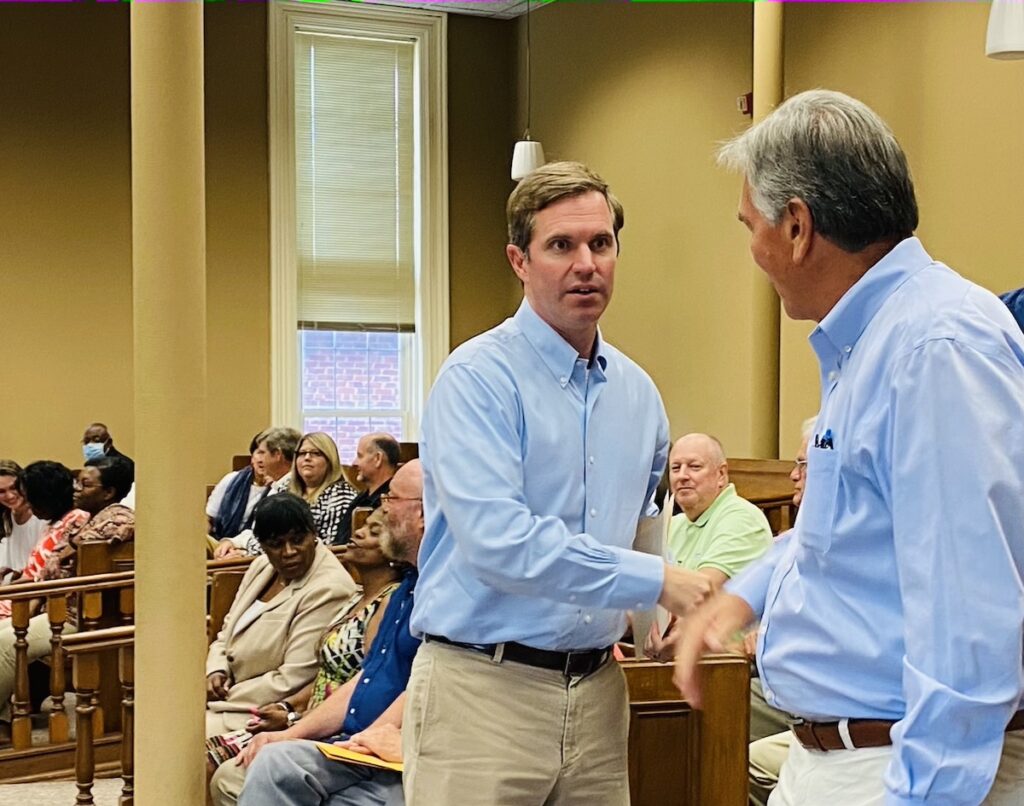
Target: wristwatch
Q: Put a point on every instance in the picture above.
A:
(292, 716)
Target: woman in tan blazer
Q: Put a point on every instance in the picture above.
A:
(266, 650)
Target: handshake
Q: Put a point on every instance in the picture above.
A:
(713, 622)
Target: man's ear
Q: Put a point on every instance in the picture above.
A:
(798, 227)
(517, 260)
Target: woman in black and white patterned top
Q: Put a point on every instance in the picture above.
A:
(316, 477)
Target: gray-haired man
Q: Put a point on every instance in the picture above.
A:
(891, 619)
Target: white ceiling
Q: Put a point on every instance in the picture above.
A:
(500, 9)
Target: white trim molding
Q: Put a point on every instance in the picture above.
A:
(428, 30)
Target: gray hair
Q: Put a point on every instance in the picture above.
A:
(281, 438)
(807, 427)
(839, 157)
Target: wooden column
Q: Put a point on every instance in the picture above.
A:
(169, 309)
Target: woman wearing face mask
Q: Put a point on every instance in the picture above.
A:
(316, 478)
(266, 650)
(341, 648)
(20, 529)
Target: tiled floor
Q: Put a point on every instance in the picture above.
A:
(53, 793)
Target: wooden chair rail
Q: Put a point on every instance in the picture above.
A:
(53, 587)
(99, 640)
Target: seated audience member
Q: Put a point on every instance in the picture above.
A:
(266, 650)
(275, 454)
(100, 489)
(769, 727)
(717, 533)
(342, 650)
(20, 529)
(1015, 302)
(50, 492)
(377, 458)
(230, 505)
(367, 711)
(317, 479)
(97, 443)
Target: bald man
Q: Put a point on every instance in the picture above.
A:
(717, 533)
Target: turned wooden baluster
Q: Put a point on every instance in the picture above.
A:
(90, 611)
(126, 671)
(21, 712)
(86, 675)
(126, 604)
(57, 611)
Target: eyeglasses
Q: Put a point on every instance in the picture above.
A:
(800, 465)
(310, 454)
(387, 498)
(79, 486)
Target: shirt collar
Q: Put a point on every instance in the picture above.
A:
(728, 491)
(844, 324)
(559, 356)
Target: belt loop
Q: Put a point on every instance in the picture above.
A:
(844, 734)
(499, 653)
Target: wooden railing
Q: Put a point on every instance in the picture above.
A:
(86, 650)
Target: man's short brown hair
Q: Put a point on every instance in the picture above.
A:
(545, 186)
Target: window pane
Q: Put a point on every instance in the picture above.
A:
(318, 362)
(346, 431)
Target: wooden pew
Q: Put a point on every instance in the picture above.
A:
(766, 483)
(682, 757)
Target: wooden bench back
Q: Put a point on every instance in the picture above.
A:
(682, 756)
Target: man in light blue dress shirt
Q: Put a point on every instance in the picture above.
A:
(542, 447)
(891, 620)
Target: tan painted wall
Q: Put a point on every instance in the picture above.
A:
(960, 118)
(65, 251)
(481, 110)
(65, 248)
(642, 93)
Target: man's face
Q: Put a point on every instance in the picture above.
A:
(97, 433)
(799, 474)
(770, 251)
(367, 460)
(568, 272)
(403, 517)
(90, 494)
(695, 476)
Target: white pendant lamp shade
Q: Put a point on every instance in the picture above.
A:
(1005, 38)
(527, 156)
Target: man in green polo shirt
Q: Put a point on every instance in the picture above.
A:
(717, 533)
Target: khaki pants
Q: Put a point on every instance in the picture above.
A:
(38, 647)
(479, 733)
(854, 777)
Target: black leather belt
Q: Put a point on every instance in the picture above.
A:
(570, 664)
(859, 733)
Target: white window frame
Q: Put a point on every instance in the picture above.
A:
(429, 30)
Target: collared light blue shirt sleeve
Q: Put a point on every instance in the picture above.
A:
(957, 516)
(480, 470)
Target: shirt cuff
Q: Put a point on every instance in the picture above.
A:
(639, 580)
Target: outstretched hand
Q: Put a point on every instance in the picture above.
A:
(717, 626)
